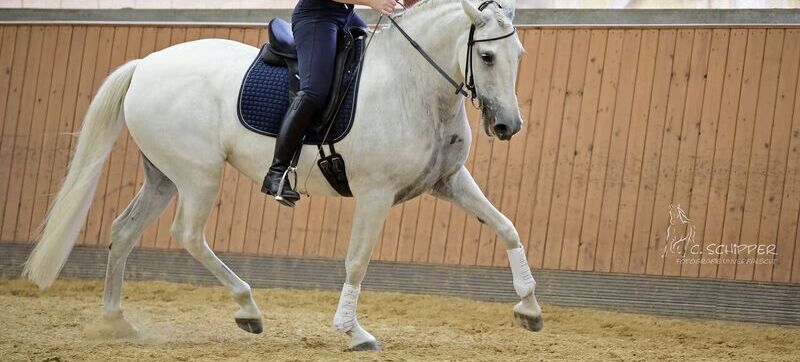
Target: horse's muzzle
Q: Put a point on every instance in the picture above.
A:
(499, 124)
(505, 131)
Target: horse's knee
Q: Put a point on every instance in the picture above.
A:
(190, 239)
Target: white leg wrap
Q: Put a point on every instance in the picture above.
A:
(345, 317)
(523, 279)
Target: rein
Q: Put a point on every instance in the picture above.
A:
(469, 83)
(459, 87)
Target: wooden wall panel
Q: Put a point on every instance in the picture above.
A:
(14, 52)
(564, 163)
(670, 141)
(720, 169)
(535, 131)
(690, 130)
(23, 118)
(632, 170)
(616, 153)
(783, 179)
(759, 151)
(575, 253)
(619, 125)
(599, 149)
(551, 136)
(704, 158)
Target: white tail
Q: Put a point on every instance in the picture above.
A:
(67, 214)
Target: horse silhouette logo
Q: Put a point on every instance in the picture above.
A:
(680, 232)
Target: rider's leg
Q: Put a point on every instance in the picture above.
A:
(316, 52)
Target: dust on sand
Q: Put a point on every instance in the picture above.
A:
(185, 322)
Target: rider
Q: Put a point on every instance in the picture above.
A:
(315, 24)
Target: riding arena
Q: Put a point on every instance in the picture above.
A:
(489, 180)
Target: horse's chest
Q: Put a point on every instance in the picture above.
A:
(443, 156)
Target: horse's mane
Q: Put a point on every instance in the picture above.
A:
(422, 3)
(502, 17)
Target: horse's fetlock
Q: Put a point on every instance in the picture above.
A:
(242, 293)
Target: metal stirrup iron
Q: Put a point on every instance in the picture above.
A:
(279, 193)
(291, 169)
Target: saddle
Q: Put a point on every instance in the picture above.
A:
(272, 81)
(281, 51)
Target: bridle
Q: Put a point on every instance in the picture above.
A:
(466, 88)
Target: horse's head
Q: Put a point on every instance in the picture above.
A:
(494, 66)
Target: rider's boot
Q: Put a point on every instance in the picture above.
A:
(295, 123)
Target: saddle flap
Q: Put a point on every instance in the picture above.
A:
(345, 67)
(281, 39)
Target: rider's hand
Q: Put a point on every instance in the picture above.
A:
(384, 7)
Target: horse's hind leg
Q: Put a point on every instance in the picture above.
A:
(195, 201)
(146, 207)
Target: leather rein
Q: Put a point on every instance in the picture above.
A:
(466, 88)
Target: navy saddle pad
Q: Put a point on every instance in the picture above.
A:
(263, 100)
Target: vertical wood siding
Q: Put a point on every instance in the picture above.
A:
(619, 124)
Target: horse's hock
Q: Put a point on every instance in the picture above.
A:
(659, 158)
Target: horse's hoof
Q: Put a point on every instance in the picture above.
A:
(113, 327)
(530, 323)
(251, 325)
(367, 346)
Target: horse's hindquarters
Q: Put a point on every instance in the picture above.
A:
(181, 105)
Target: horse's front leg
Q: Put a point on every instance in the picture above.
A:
(371, 211)
(461, 188)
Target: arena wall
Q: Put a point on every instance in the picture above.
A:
(620, 123)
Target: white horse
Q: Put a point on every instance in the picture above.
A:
(410, 136)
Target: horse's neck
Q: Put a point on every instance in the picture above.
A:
(439, 28)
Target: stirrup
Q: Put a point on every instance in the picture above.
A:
(279, 192)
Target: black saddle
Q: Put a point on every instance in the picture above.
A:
(282, 51)
(281, 39)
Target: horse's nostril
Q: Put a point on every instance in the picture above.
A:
(500, 129)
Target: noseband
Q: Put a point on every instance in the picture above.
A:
(469, 82)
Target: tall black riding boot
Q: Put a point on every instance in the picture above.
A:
(295, 123)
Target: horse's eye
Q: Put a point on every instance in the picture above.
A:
(487, 58)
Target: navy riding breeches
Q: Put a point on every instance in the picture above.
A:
(315, 25)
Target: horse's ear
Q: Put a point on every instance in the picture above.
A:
(508, 7)
(472, 11)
